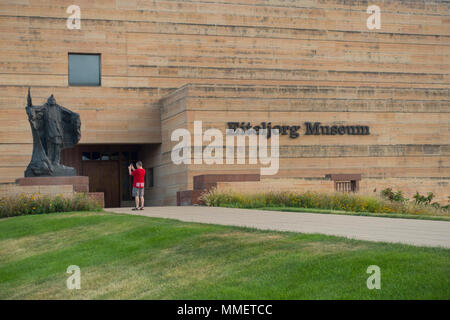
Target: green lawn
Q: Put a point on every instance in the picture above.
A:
(134, 257)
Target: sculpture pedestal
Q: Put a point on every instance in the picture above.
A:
(49, 186)
(79, 183)
(58, 170)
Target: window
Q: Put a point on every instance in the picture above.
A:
(100, 156)
(149, 177)
(86, 156)
(345, 182)
(95, 156)
(84, 69)
(345, 186)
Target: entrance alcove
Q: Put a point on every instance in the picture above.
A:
(106, 165)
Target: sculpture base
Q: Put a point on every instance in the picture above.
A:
(79, 183)
(54, 185)
(58, 171)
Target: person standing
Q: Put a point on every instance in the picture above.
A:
(138, 184)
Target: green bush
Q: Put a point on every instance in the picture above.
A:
(332, 201)
(422, 199)
(37, 204)
(393, 196)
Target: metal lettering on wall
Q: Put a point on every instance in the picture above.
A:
(310, 128)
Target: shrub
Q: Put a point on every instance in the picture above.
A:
(422, 199)
(310, 199)
(393, 196)
(446, 207)
(37, 204)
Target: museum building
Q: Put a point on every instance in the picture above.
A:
(357, 110)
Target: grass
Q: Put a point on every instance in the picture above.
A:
(135, 257)
(369, 214)
(321, 202)
(23, 204)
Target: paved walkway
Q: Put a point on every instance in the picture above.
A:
(408, 231)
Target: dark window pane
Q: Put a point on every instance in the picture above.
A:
(134, 156)
(84, 69)
(86, 156)
(114, 156)
(95, 156)
(125, 157)
(149, 176)
(105, 156)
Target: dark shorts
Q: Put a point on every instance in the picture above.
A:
(138, 192)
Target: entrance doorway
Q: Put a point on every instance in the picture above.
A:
(103, 177)
(107, 169)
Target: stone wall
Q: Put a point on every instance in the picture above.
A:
(278, 185)
(168, 177)
(13, 189)
(150, 48)
(51, 186)
(407, 148)
(276, 60)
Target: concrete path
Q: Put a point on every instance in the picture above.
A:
(407, 231)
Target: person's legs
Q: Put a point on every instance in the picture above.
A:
(136, 200)
(141, 198)
(142, 201)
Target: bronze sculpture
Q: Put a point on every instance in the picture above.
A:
(54, 128)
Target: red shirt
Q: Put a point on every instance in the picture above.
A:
(138, 178)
